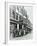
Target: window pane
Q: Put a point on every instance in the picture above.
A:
(13, 14)
(19, 17)
(16, 16)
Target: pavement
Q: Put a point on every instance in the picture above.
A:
(25, 37)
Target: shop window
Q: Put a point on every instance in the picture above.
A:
(20, 26)
(15, 25)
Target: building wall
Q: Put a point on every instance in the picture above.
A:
(16, 16)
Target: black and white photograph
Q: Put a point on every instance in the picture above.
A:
(21, 22)
(18, 23)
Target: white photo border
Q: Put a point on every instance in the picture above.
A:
(7, 20)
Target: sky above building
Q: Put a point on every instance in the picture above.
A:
(29, 10)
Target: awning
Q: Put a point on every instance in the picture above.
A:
(29, 24)
(16, 22)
